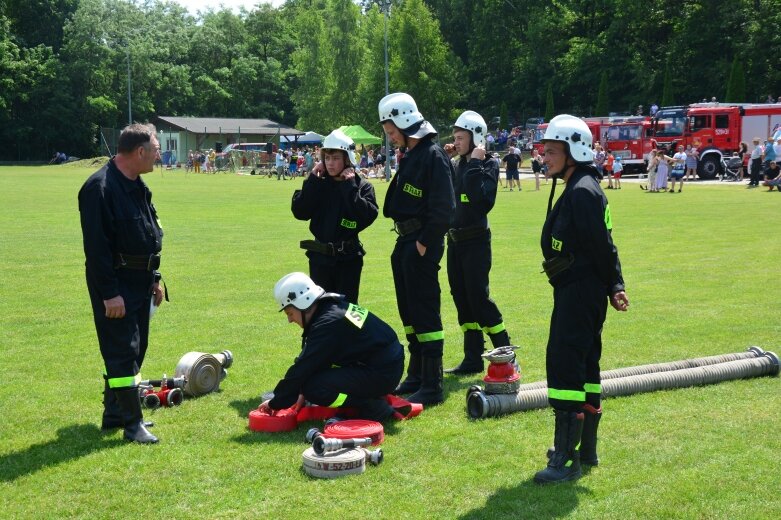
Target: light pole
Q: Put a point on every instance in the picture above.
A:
(112, 43)
(129, 99)
(386, 5)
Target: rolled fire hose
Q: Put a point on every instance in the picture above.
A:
(334, 464)
(204, 372)
(354, 428)
(480, 404)
(339, 463)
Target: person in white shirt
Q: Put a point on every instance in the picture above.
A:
(679, 169)
(756, 163)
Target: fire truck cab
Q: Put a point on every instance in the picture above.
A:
(714, 129)
(717, 130)
(632, 140)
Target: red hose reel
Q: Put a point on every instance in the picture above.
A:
(504, 374)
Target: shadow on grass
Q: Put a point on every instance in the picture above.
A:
(530, 500)
(72, 442)
(245, 406)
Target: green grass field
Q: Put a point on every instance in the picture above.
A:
(702, 275)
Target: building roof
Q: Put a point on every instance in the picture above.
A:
(217, 125)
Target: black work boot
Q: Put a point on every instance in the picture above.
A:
(588, 445)
(564, 464)
(130, 404)
(473, 351)
(588, 442)
(412, 382)
(431, 385)
(112, 414)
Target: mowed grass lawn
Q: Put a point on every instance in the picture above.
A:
(702, 273)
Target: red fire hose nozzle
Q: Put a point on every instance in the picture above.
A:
(323, 445)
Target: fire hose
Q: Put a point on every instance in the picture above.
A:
(627, 381)
(338, 452)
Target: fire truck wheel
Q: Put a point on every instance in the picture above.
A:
(709, 168)
(334, 464)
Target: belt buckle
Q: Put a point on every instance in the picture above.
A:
(341, 247)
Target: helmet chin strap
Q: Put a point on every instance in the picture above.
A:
(550, 199)
(556, 176)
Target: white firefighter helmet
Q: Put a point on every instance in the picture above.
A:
(575, 133)
(298, 290)
(402, 110)
(338, 140)
(474, 123)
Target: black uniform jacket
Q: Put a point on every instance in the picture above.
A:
(423, 188)
(339, 334)
(337, 210)
(117, 216)
(579, 225)
(475, 189)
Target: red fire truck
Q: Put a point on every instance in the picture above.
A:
(631, 140)
(539, 132)
(715, 129)
(595, 124)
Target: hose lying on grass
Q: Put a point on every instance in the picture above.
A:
(632, 380)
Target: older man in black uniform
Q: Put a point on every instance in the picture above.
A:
(469, 243)
(349, 357)
(583, 267)
(122, 243)
(420, 201)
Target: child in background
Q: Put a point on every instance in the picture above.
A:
(609, 161)
(618, 168)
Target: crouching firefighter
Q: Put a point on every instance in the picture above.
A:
(349, 357)
(469, 243)
(582, 265)
(122, 244)
(421, 203)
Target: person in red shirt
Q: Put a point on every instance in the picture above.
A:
(609, 169)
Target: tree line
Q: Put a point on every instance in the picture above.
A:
(319, 64)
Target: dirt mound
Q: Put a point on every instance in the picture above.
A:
(95, 162)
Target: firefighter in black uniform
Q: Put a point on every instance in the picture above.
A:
(469, 243)
(122, 243)
(420, 201)
(338, 204)
(349, 357)
(582, 265)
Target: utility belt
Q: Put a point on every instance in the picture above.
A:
(466, 233)
(137, 262)
(557, 265)
(406, 227)
(346, 247)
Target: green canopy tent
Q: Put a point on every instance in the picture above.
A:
(359, 135)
